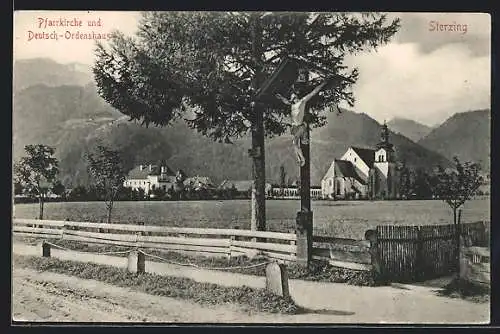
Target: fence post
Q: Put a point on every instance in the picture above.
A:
(45, 249)
(420, 271)
(234, 237)
(231, 239)
(304, 237)
(463, 262)
(293, 242)
(136, 262)
(487, 235)
(371, 235)
(141, 232)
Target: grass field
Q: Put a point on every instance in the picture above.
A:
(341, 219)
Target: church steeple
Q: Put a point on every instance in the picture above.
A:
(384, 138)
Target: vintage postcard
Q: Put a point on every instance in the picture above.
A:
(251, 167)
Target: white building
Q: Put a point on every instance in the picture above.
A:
(150, 177)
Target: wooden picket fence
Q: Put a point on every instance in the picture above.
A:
(206, 241)
(416, 253)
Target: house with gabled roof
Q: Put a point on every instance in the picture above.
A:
(149, 177)
(363, 173)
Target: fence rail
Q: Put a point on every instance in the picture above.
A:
(208, 241)
(342, 252)
(159, 229)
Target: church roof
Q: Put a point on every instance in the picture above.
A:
(344, 168)
(366, 154)
(386, 146)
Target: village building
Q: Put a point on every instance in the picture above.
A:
(363, 173)
(199, 182)
(243, 187)
(150, 177)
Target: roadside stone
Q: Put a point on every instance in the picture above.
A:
(277, 279)
(136, 262)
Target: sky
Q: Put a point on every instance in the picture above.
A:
(426, 73)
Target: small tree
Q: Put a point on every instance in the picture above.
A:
(421, 185)
(159, 193)
(36, 172)
(106, 168)
(78, 193)
(58, 189)
(170, 192)
(404, 181)
(179, 187)
(455, 187)
(124, 194)
(18, 188)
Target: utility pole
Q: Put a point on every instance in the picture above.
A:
(258, 218)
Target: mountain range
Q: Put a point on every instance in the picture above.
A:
(409, 128)
(66, 112)
(466, 135)
(29, 72)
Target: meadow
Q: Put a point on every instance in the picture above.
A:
(348, 219)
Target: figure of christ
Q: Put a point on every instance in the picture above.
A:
(299, 127)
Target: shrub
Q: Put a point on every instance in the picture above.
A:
(460, 288)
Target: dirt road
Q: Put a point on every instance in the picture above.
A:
(53, 297)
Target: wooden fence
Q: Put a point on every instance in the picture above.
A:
(395, 253)
(415, 253)
(207, 241)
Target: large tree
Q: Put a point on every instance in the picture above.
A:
(206, 67)
(36, 172)
(106, 167)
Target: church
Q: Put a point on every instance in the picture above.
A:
(363, 173)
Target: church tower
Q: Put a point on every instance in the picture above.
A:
(385, 172)
(385, 150)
